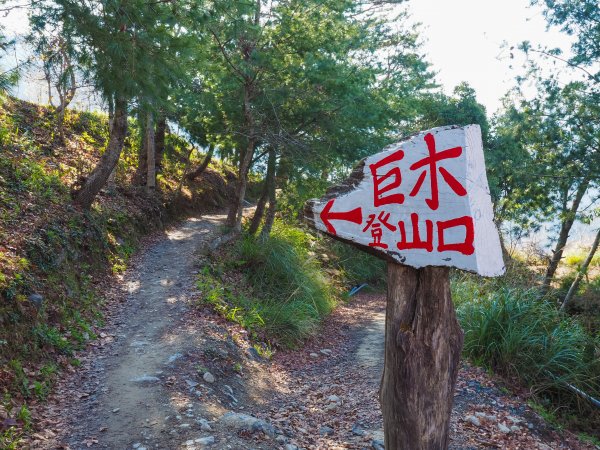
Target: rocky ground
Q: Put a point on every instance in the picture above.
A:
(167, 373)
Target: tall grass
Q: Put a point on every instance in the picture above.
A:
(355, 265)
(515, 332)
(575, 258)
(285, 293)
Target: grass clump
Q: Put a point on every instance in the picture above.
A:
(275, 288)
(522, 336)
(356, 266)
(576, 257)
(15, 422)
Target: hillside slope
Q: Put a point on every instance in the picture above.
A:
(52, 254)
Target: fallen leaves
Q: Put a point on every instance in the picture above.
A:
(7, 423)
(313, 387)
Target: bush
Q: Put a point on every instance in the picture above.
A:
(285, 293)
(515, 332)
(575, 258)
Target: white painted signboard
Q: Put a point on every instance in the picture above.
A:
(421, 202)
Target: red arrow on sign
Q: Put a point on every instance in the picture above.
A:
(354, 216)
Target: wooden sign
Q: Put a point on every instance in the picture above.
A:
(423, 205)
(421, 202)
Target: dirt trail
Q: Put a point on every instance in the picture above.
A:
(333, 388)
(124, 398)
(144, 382)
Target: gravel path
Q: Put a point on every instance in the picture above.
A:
(330, 399)
(130, 391)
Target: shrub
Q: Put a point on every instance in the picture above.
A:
(576, 257)
(285, 293)
(357, 266)
(515, 332)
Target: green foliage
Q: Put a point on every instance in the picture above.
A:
(322, 83)
(355, 265)
(264, 350)
(577, 18)
(461, 109)
(544, 157)
(237, 368)
(11, 438)
(125, 49)
(551, 138)
(285, 294)
(297, 192)
(20, 381)
(512, 331)
(51, 336)
(575, 258)
(91, 125)
(588, 438)
(235, 308)
(283, 269)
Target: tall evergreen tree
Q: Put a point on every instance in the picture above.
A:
(322, 83)
(127, 49)
(560, 132)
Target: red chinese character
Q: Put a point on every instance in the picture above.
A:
(376, 230)
(416, 243)
(432, 161)
(466, 247)
(393, 175)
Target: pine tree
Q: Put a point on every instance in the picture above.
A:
(127, 49)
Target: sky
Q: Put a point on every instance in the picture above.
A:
(464, 42)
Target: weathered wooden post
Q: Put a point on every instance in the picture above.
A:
(423, 205)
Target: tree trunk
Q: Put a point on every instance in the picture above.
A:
(84, 197)
(111, 183)
(423, 342)
(582, 271)
(264, 196)
(563, 236)
(151, 155)
(141, 172)
(161, 133)
(48, 77)
(202, 167)
(234, 218)
(270, 218)
(66, 92)
(185, 169)
(259, 212)
(505, 254)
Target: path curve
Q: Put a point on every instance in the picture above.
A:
(121, 398)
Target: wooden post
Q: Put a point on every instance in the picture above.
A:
(423, 342)
(424, 206)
